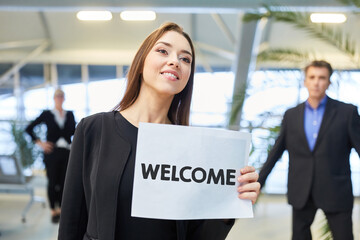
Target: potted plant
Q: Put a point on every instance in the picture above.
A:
(25, 150)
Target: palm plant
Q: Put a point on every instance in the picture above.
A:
(334, 36)
(25, 150)
(284, 55)
(325, 232)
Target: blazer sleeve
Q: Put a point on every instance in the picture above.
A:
(74, 217)
(354, 130)
(274, 154)
(72, 123)
(30, 128)
(212, 229)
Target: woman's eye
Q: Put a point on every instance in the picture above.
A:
(163, 51)
(187, 60)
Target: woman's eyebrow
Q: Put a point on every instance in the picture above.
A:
(169, 44)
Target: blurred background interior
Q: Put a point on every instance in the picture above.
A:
(250, 56)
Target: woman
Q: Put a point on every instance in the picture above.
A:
(60, 127)
(99, 182)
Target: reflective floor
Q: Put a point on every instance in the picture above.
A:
(37, 226)
(272, 219)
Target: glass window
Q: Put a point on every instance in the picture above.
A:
(270, 93)
(104, 95)
(212, 94)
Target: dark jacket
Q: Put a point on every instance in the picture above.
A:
(325, 171)
(97, 159)
(54, 132)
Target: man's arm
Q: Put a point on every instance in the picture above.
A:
(274, 155)
(354, 130)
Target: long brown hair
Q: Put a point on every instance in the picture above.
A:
(179, 110)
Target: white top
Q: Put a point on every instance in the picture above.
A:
(60, 120)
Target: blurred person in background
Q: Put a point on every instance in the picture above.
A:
(60, 128)
(319, 135)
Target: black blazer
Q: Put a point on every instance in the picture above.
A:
(54, 132)
(98, 156)
(325, 171)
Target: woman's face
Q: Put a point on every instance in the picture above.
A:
(167, 67)
(59, 100)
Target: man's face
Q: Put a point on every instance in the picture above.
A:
(317, 80)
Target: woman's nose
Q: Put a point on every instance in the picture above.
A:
(173, 60)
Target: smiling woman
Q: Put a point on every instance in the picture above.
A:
(180, 105)
(99, 182)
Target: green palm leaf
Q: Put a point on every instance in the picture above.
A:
(301, 20)
(325, 232)
(282, 54)
(237, 104)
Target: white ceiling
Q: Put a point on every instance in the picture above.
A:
(25, 24)
(162, 5)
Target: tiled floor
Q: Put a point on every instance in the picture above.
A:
(272, 219)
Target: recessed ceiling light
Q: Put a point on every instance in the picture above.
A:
(138, 15)
(327, 17)
(94, 15)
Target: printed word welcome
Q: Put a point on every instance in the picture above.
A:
(167, 172)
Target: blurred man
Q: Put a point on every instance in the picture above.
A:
(319, 135)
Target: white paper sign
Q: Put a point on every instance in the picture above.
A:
(189, 173)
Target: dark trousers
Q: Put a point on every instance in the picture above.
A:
(340, 223)
(56, 163)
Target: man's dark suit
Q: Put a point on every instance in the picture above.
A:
(323, 173)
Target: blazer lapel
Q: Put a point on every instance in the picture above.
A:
(330, 112)
(114, 154)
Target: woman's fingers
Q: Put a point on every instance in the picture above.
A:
(249, 186)
(249, 196)
(248, 177)
(249, 191)
(247, 169)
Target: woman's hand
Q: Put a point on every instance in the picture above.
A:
(249, 187)
(46, 146)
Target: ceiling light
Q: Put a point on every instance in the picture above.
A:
(138, 15)
(94, 15)
(327, 17)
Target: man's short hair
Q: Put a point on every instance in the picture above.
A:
(320, 64)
